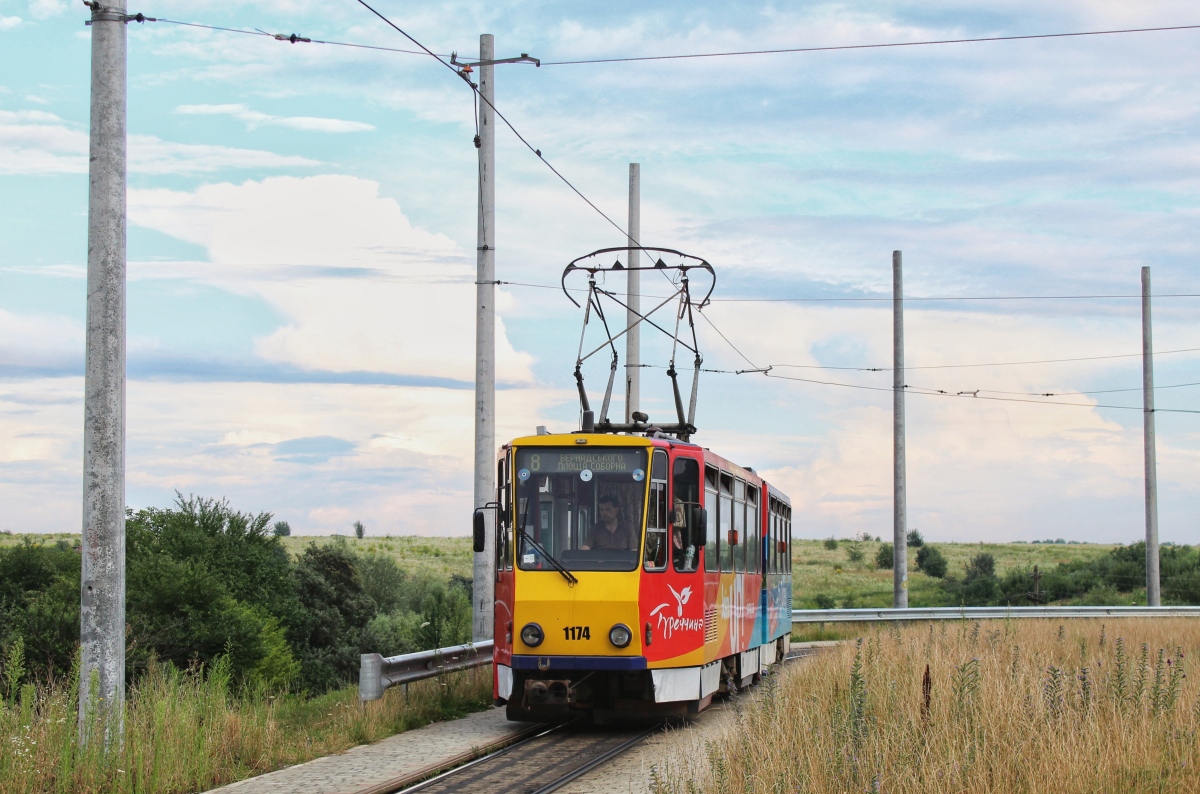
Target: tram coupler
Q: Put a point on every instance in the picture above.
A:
(541, 693)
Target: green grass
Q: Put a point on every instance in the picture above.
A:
(815, 569)
(818, 570)
(190, 731)
(441, 556)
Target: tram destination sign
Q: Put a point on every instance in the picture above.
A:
(555, 461)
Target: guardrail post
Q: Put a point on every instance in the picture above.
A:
(370, 677)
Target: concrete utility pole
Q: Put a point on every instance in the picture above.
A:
(102, 581)
(900, 527)
(483, 578)
(1153, 595)
(633, 339)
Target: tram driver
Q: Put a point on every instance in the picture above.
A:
(610, 532)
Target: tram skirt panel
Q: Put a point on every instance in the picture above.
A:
(678, 683)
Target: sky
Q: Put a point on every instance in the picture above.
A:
(302, 226)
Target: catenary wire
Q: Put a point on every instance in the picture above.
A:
(503, 118)
(423, 51)
(766, 372)
(831, 48)
(304, 40)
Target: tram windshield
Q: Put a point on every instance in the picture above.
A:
(583, 507)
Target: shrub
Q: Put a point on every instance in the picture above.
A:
(830, 543)
(914, 538)
(884, 558)
(327, 631)
(931, 561)
(853, 552)
(824, 601)
(981, 566)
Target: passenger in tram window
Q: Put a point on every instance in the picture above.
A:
(682, 551)
(608, 532)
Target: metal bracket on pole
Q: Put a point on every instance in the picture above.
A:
(524, 58)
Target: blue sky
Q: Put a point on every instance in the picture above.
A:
(302, 228)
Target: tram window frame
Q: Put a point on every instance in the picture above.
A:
(724, 523)
(772, 546)
(753, 529)
(685, 492)
(657, 516)
(503, 514)
(712, 500)
(739, 526)
(788, 543)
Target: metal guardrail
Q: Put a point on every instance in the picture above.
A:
(376, 673)
(887, 615)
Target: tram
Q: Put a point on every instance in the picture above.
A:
(637, 573)
(691, 597)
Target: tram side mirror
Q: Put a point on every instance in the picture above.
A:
(699, 526)
(733, 537)
(480, 532)
(782, 546)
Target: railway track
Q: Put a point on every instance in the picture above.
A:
(544, 759)
(538, 764)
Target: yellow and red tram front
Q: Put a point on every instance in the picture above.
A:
(629, 576)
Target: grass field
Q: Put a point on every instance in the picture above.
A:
(441, 556)
(818, 570)
(815, 569)
(1017, 707)
(187, 732)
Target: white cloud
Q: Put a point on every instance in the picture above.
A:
(39, 340)
(38, 142)
(364, 289)
(977, 469)
(44, 9)
(254, 119)
(8, 23)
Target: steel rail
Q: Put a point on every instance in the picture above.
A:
(537, 732)
(599, 760)
(887, 614)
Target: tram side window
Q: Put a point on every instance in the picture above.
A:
(788, 544)
(725, 521)
(772, 546)
(657, 519)
(739, 525)
(753, 531)
(503, 518)
(685, 499)
(712, 502)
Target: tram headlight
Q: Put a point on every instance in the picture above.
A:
(531, 635)
(620, 635)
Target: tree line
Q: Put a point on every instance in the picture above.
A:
(204, 581)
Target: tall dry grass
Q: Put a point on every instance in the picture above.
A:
(190, 731)
(1006, 706)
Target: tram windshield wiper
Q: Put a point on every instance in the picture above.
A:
(554, 563)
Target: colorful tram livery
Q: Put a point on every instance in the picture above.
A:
(634, 575)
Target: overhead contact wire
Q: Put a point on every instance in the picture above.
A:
(836, 47)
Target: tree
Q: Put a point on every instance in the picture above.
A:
(359, 530)
(282, 529)
(981, 566)
(830, 543)
(884, 557)
(327, 632)
(914, 538)
(931, 561)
